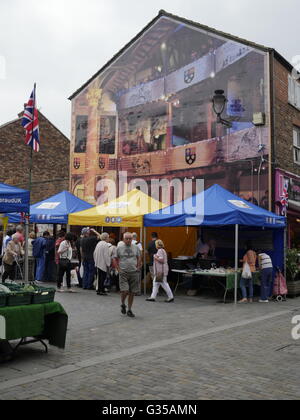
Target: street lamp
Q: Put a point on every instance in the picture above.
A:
(219, 101)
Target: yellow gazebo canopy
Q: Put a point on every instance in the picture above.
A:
(125, 211)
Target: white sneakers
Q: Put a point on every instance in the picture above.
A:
(263, 301)
(61, 290)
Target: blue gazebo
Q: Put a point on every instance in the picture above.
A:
(13, 199)
(220, 208)
(54, 210)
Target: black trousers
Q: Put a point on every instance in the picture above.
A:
(62, 269)
(101, 280)
(9, 272)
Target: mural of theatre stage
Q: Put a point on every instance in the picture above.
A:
(151, 113)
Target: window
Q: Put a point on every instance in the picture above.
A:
(107, 135)
(296, 141)
(294, 92)
(81, 133)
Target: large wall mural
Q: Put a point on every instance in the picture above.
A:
(150, 114)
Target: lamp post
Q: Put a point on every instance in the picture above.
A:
(219, 101)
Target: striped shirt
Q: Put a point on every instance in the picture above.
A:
(265, 261)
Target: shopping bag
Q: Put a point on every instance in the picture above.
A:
(74, 279)
(81, 271)
(246, 274)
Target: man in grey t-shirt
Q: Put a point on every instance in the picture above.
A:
(129, 264)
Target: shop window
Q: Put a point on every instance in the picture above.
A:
(296, 141)
(107, 138)
(81, 133)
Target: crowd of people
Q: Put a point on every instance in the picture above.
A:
(101, 263)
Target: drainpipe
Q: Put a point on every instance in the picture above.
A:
(272, 134)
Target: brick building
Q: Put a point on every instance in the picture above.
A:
(286, 143)
(148, 112)
(50, 166)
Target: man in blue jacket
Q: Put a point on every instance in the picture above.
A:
(38, 250)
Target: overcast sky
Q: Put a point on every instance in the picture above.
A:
(60, 44)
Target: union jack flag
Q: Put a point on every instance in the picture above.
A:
(285, 197)
(31, 124)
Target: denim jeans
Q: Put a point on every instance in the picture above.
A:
(246, 283)
(40, 268)
(88, 273)
(266, 281)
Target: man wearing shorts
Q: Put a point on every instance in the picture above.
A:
(129, 264)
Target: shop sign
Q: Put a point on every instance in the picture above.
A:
(48, 205)
(240, 204)
(113, 220)
(294, 190)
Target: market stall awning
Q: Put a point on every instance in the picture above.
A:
(125, 211)
(13, 199)
(54, 209)
(214, 207)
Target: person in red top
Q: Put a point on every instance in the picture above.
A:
(250, 257)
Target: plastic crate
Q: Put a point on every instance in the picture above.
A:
(14, 287)
(3, 297)
(18, 298)
(43, 295)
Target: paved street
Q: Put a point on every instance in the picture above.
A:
(195, 348)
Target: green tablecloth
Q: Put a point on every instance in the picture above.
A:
(230, 279)
(29, 320)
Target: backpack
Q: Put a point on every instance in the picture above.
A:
(38, 248)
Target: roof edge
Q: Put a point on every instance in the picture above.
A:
(120, 52)
(163, 13)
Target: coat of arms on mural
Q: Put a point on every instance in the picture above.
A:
(189, 75)
(76, 163)
(141, 167)
(101, 163)
(190, 155)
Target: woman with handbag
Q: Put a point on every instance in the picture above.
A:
(160, 271)
(249, 267)
(64, 266)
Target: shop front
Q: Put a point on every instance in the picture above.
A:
(287, 200)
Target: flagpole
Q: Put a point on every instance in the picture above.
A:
(27, 216)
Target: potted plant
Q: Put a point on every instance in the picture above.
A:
(292, 271)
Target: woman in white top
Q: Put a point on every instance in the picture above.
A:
(64, 266)
(31, 259)
(102, 262)
(32, 237)
(160, 269)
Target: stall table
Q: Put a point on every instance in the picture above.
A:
(229, 278)
(40, 322)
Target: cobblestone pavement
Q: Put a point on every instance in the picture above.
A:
(192, 349)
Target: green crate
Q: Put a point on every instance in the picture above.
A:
(13, 287)
(3, 297)
(43, 295)
(18, 298)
